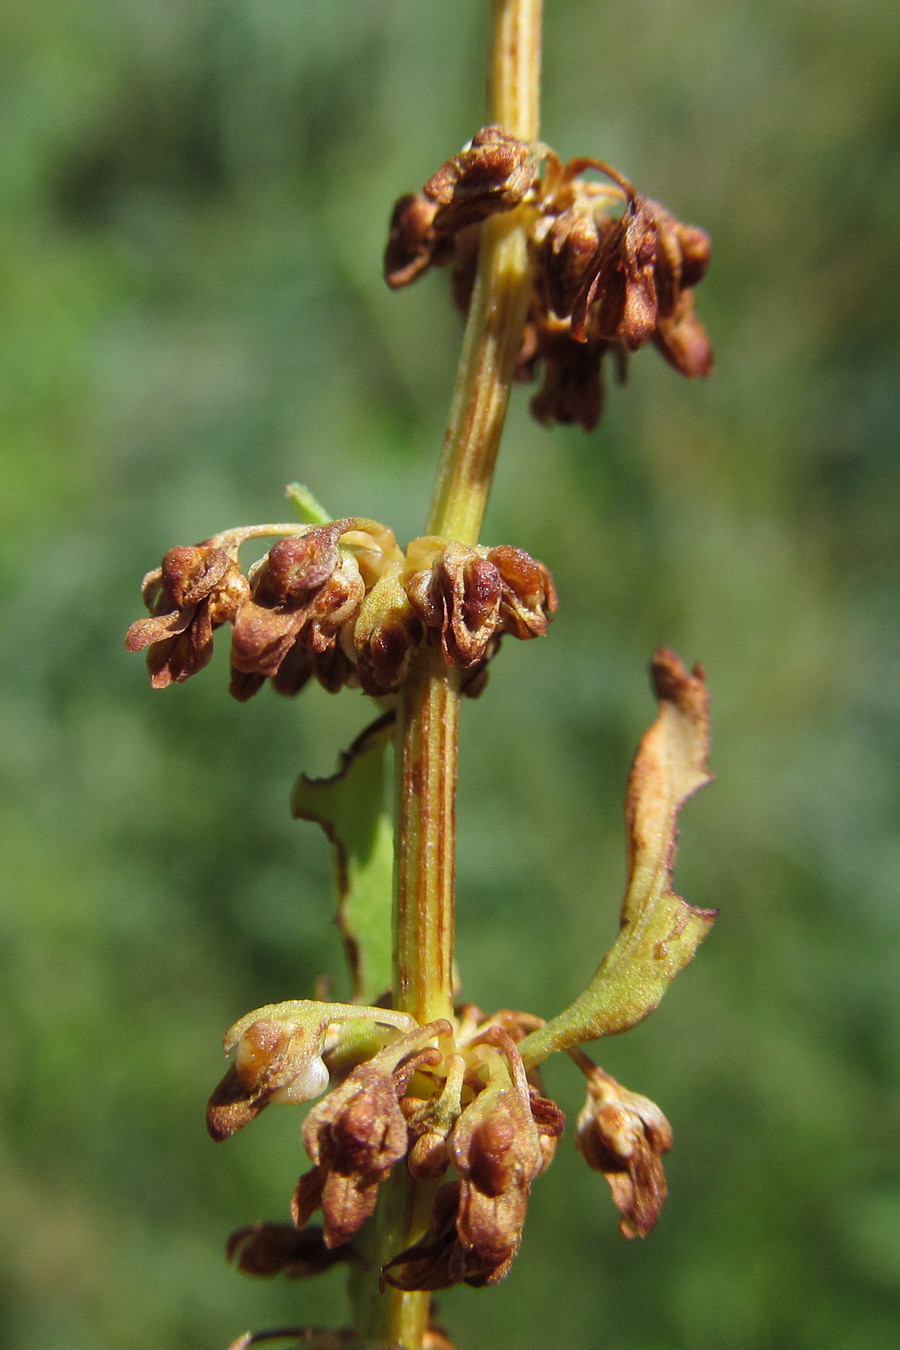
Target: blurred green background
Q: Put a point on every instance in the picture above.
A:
(195, 195)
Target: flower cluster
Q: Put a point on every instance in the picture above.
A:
(340, 602)
(612, 269)
(455, 1103)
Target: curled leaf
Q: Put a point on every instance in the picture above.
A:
(659, 932)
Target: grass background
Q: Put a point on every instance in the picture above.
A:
(195, 195)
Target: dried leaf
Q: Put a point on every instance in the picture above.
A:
(350, 808)
(660, 931)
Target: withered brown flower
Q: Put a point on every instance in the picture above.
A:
(569, 254)
(385, 636)
(282, 1249)
(471, 595)
(354, 1138)
(624, 1136)
(429, 1121)
(302, 592)
(648, 262)
(458, 596)
(197, 588)
(527, 593)
(438, 1260)
(572, 390)
(498, 1144)
(271, 1057)
(356, 1134)
(494, 172)
(682, 339)
(279, 1056)
(496, 1148)
(413, 242)
(613, 269)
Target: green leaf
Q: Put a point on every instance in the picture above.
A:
(659, 932)
(350, 808)
(308, 508)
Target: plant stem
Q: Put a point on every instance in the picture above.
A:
(428, 719)
(425, 823)
(429, 715)
(500, 298)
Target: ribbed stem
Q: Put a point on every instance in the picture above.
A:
(428, 718)
(425, 857)
(500, 298)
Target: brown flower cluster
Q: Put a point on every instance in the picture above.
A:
(453, 1102)
(446, 1101)
(341, 603)
(612, 269)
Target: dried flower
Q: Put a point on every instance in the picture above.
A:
(682, 338)
(458, 596)
(357, 1134)
(196, 589)
(570, 251)
(613, 269)
(468, 596)
(281, 1249)
(278, 1057)
(496, 1148)
(429, 1121)
(413, 246)
(498, 1144)
(494, 172)
(572, 392)
(624, 1136)
(385, 636)
(271, 1058)
(639, 277)
(527, 594)
(437, 1260)
(355, 1137)
(302, 592)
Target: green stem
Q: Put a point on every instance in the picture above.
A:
(500, 299)
(429, 714)
(425, 821)
(428, 718)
